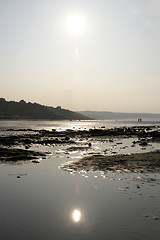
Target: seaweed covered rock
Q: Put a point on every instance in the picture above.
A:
(15, 154)
(139, 162)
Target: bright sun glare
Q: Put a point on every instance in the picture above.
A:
(76, 215)
(76, 24)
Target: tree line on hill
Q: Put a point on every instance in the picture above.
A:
(24, 110)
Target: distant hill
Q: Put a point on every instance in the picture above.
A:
(23, 110)
(104, 115)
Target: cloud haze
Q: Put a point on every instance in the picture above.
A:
(113, 65)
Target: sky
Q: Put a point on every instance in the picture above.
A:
(110, 61)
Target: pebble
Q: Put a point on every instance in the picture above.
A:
(35, 161)
(155, 218)
(121, 189)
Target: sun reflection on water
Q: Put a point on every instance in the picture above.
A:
(76, 215)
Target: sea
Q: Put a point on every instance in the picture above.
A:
(79, 124)
(46, 202)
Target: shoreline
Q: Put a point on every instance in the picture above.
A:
(145, 134)
(83, 140)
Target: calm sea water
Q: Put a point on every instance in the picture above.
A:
(63, 125)
(48, 203)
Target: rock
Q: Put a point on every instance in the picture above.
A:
(143, 143)
(35, 161)
(155, 218)
(27, 146)
(67, 138)
(15, 154)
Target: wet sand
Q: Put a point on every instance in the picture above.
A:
(114, 204)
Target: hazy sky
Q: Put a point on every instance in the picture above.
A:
(112, 63)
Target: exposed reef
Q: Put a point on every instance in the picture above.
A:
(140, 162)
(145, 134)
(25, 138)
(14, 154)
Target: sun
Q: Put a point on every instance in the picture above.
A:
(76, 24)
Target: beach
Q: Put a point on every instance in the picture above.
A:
(55, 199)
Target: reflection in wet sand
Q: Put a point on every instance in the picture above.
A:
(76, 215)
